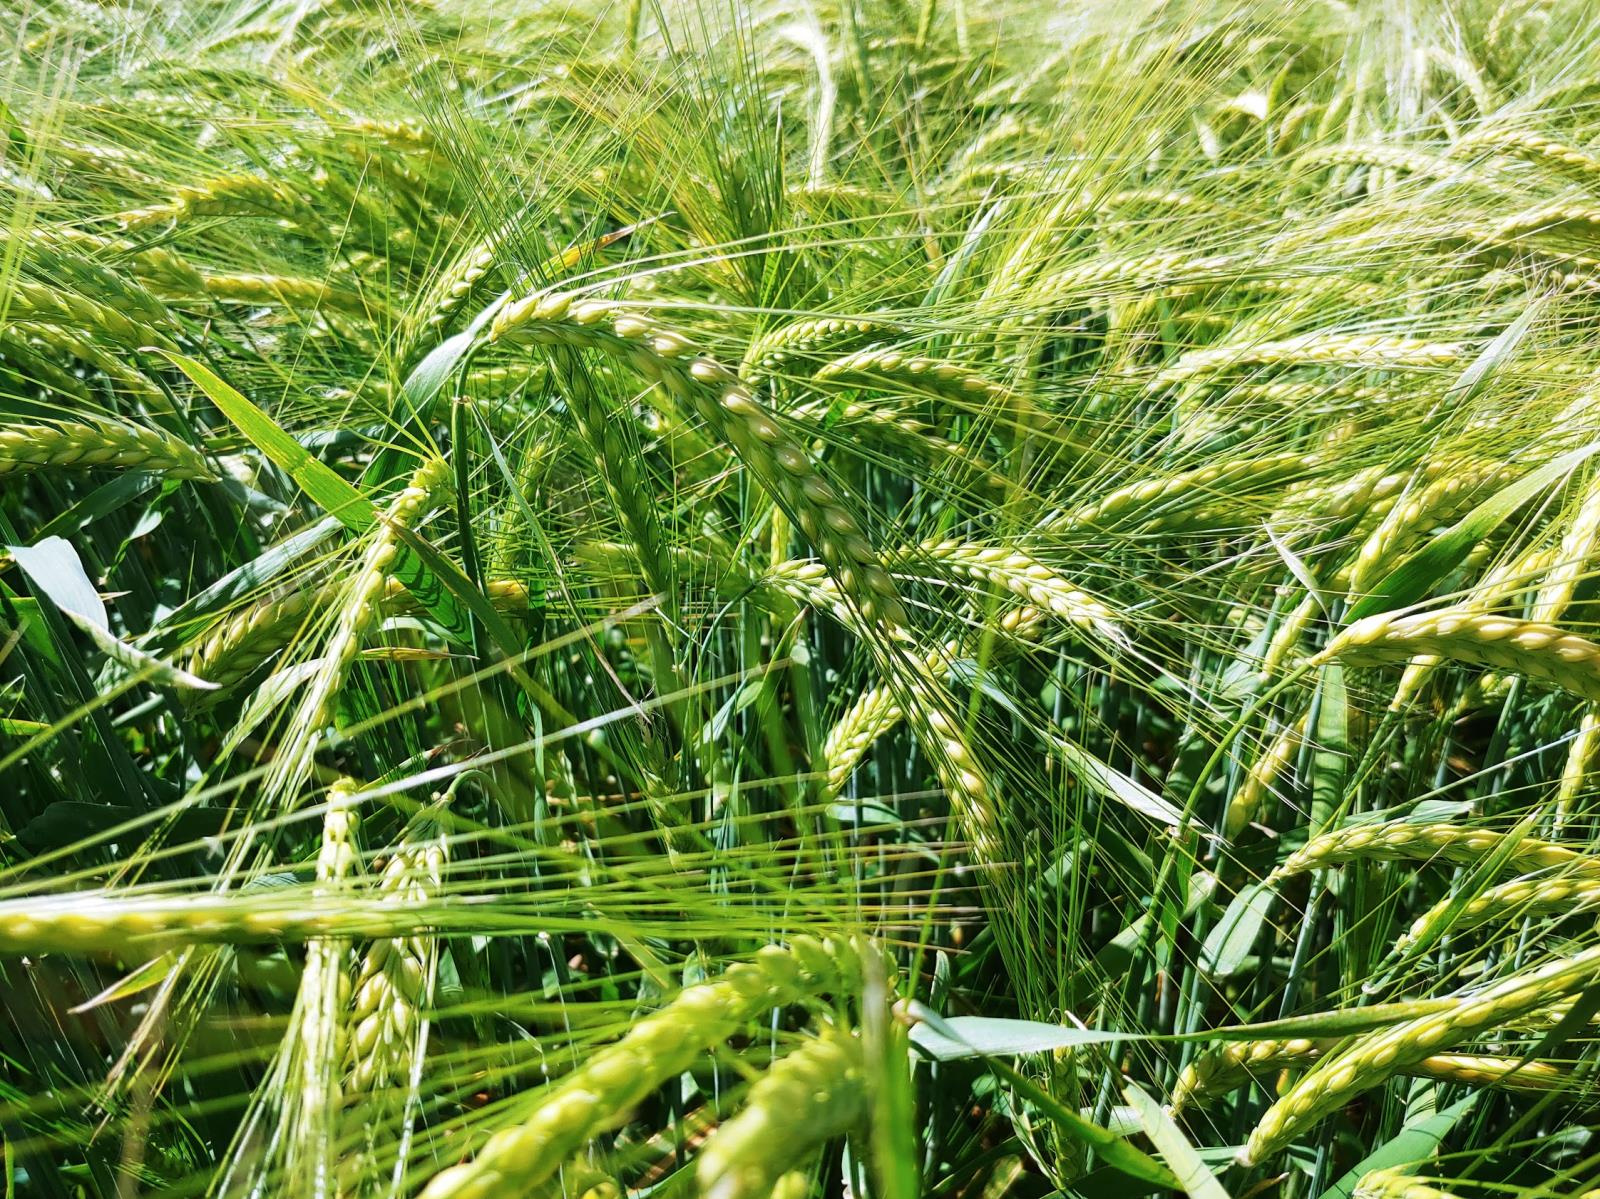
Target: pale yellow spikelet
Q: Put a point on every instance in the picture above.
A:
(28, 300)
(305, 295)
(1394, 1183)
(1378, 1056)
(119, 922)
(85, 444)
(1525, 647)
(878, 709)
(387, 1023)
(231, 649)
(1355, 350)
(394, 982)
(887, 365)
(227, 195)
(1262, 777)
(1413, 513)
(1206, 483)
(806, 1097)
(806, 338)
(1504, 580)
(1580, 753)
(1230, 1066)
(1578, 219)
(1390, 158)
(906, 431)
(1023, 575)
(1129, 276)
(1558, 894)
(1578, 545)
(357, 612)
(599, 1094)
(316, 1039)
(1533, 147)
(730, 408)
(1400, 841)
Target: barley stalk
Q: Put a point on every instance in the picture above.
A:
(85, 444)
(599, 1094)
(1373, 1059)
(1398, 841)
(805, 1098)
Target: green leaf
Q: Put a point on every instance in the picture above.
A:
(313, 477)
(137, 660)
(35, 633)
(333, 494)
(1330, 745)
(1412, 1143)
(54, 568)
(102, 501)
(1112, 784)
(1412, 579)
(952, 1038)
(1113, 1150)
(240, 582)
(1193, 1174)
(1229, 943)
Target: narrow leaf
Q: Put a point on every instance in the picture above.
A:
(313, 477)
(956, 1037)
(1412, 579)
(1234, 936)
(1193, 1174)
(1412, 1143)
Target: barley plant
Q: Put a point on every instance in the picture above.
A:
(864, 598)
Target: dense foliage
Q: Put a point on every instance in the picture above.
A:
(866, 599)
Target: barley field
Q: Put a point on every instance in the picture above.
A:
(862, 599)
